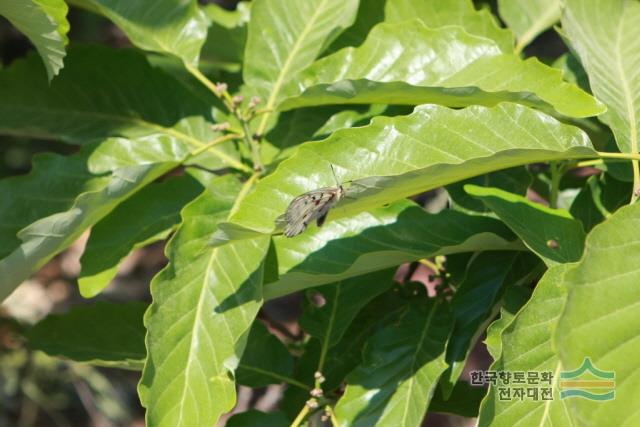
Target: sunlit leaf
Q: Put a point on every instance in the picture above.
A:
(527, 345)
(529, 18)
(600, 320)
(147, 216)
(378, 239)
(200, 317)
(553, 234)
(451, 12)
(285, 37)
(176, 27)
(45, 23)
(75, 201)
(409, 63)
(606, 36)
(396, 157)
(434, 14)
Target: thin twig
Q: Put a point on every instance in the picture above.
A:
(213, 143)
(303, 413)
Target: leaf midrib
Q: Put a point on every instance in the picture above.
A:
(535, 27)
(194, 331)
(413, 369)
(113, 117)
(547, 404)
(631, 114)
(294, 50)
(275, 91)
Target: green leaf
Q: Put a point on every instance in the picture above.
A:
(146, 217)
(396, 157)
(341, 303)
(434, 14)
(514, 298)
(310, 124)
(286, 37)
(600, 319)
(464, 400)
(573, 71)
(82, 104)
(227, 34)
(370, 13)
(265, 360)
(383, 310)
(598, 199)
(75, 201)
(442, 13)
(475, 303)
(175, 27)
(606, 37)
(409, 63)
(552, 234)
(343, 357)
(45, 23)
(379, 239)
(585, 207)
(104, 334)
(529, 18)
(527, 345)
(201, 313)
(514, 180)
(46, 181)
(254, 418)
(126, 97)
(402, 363)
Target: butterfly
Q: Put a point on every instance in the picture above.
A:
(313, 205)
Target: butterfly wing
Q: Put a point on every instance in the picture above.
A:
(305, 208)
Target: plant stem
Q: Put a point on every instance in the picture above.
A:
(213, 143)
(303, 413)
(430, 264)
(332, 415)
(587, 163)
(626, 156)
(253, 146)
(243, 193)
(233, 108)
(226, 98)
(636, 181)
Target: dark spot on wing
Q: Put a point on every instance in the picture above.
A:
(321, 219)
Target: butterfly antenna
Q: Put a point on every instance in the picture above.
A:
(334, 175)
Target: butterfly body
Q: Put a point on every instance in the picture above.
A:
(310, 206)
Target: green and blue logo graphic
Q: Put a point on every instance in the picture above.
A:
(588, 382)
